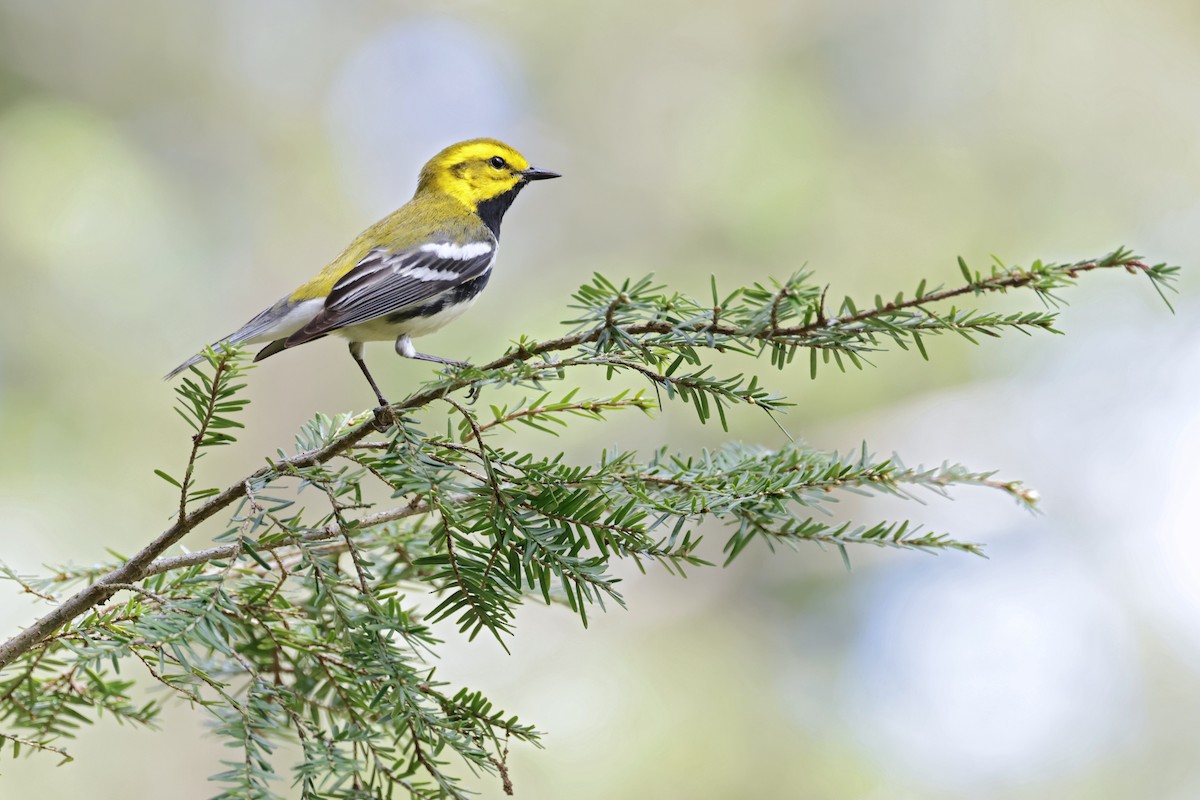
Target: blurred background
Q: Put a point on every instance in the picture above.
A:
(168, 169)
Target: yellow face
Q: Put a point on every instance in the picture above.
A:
(477, 170)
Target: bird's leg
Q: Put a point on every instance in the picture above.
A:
(384, 412)
(404, 347)
(356, 351)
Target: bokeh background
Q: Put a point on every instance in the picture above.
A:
(169, 168)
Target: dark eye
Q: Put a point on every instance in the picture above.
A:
(498, 162)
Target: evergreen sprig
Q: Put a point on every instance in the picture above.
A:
(295, 627)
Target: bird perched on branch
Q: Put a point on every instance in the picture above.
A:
(410, 273)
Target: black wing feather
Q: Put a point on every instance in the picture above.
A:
(385, 283)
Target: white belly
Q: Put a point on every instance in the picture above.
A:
(379, 330)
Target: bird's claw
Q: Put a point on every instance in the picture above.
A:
(385, 417)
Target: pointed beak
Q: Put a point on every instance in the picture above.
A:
(535, 174)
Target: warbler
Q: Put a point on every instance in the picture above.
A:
(410, 273)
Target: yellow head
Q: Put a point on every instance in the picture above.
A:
(479, 171)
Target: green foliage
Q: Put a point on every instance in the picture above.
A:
(296, 627)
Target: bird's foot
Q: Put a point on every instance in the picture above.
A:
(385, 418)
(448, 362)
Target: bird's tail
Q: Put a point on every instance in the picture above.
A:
(196, 359)
(229, 341)
(271, 325)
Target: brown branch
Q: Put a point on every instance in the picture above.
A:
(34, 745)
(331, 531)
(133, 587)
(210, 412)
(586, 406)
(492, 481)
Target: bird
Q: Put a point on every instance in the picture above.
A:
(412, 272)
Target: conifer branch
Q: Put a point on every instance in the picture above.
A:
(1043, 278)
(292, 625)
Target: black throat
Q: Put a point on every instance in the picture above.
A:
(492, 211)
